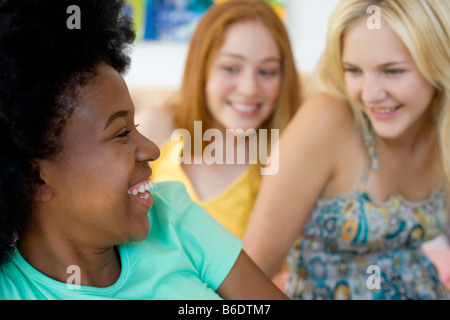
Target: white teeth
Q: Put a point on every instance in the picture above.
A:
(142, 189)
(146, 196)
(384, 110)
(245, 108)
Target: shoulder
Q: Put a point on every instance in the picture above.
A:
(15, 281)
(6, 276)
(173, 204)
(323, 118)
(327, 111)
(322, 131)
(171, 199)
(156, 123)
(171, 192)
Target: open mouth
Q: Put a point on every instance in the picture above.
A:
(245, 109)
(385, 112)
(141, 193)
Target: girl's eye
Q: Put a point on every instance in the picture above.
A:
(230, 69)
(268, 73)
(124, 134)
(395, 71)
(352, 70)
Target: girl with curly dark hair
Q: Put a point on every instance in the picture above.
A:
(79, 217)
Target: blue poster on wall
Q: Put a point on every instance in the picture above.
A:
(173, 20)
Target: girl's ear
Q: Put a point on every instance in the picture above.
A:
(45, 192)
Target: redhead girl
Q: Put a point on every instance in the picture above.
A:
(240, 75)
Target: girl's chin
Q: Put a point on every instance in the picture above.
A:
(141, 233)
(386, 131)
(243, 124)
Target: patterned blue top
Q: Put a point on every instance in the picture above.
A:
(353, 247)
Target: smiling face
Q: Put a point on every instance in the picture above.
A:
(103, 163)
(243, 84)
(383, 78)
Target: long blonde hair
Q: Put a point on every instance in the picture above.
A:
(205, 43)
(423, 27)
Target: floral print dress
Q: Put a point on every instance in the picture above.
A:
(354, 247)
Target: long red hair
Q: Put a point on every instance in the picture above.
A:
(204, 45)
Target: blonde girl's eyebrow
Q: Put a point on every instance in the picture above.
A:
(384, 65)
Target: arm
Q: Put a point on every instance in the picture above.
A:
(308, 149)
(247, 282)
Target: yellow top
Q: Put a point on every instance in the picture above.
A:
(232, 207)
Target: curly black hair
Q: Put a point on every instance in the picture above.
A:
(43, 65)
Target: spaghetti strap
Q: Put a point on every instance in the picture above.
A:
(363, 182)
(372, 163)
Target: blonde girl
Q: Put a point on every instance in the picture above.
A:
(360, 165)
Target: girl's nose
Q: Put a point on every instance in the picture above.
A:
(373, 90)
(146, 149)
(248, 84)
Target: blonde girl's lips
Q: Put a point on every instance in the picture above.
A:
(384, 113)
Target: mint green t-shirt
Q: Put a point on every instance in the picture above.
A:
(187, 255)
